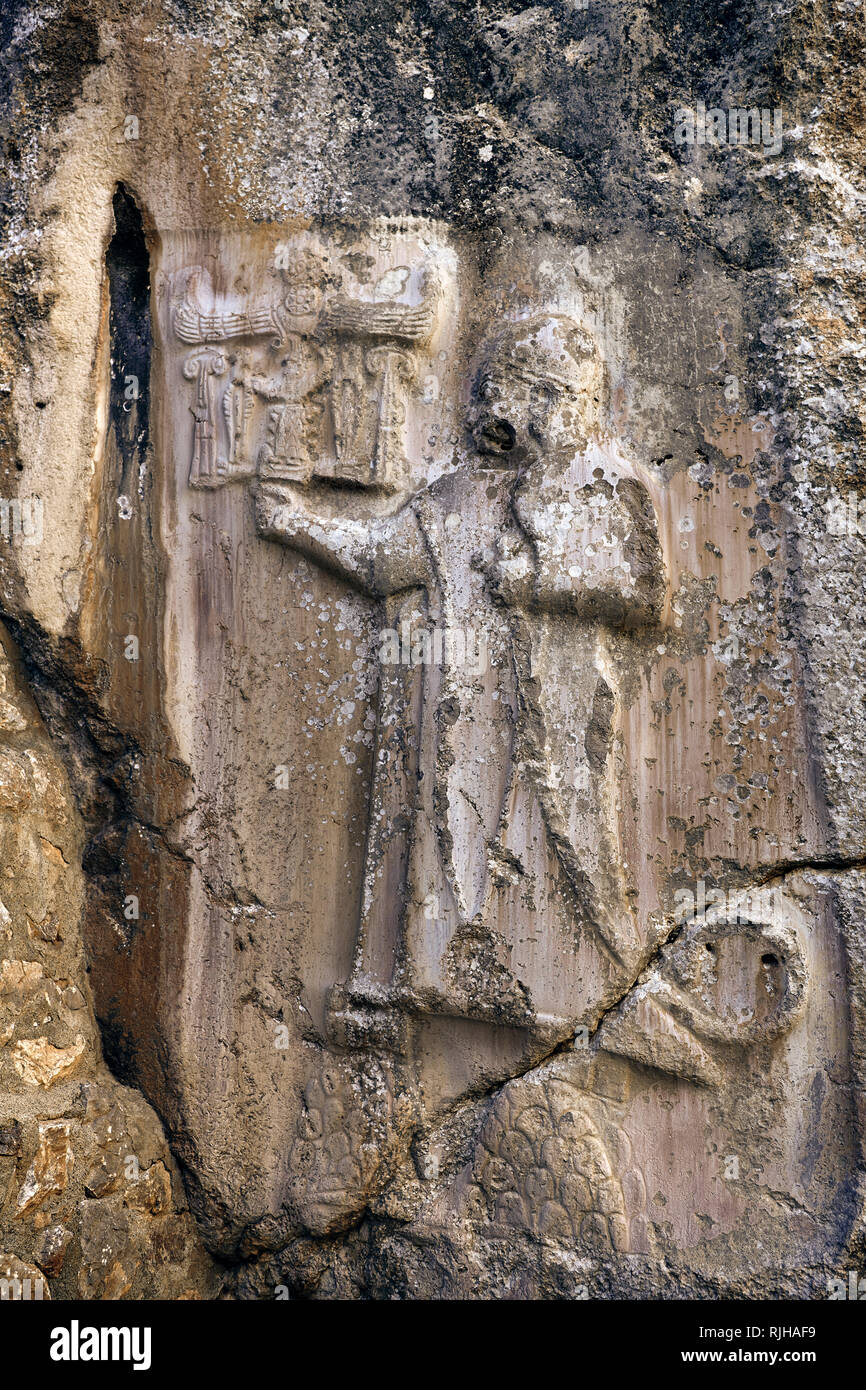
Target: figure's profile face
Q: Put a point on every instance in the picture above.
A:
(533, 397)
(502, 417)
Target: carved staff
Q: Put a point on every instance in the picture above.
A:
(238, 407)
(199, 367)
(394, 368)
(346, 412)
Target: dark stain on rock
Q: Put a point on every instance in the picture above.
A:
(599, 730)
(128, 265)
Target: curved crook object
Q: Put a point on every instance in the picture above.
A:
(689, 957)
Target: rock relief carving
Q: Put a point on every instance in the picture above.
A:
(491, 806)
(333, 375)
(346, 1136)
(554, 1158)
(488, 539)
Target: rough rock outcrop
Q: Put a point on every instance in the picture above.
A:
(91, 1201)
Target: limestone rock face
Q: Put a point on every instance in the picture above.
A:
(91, 1202)
(432, 681)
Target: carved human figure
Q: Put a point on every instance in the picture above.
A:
(286, 451)
(514, 909)
(200, 367)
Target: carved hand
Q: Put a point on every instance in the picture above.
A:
(511, 576)
(275, 503)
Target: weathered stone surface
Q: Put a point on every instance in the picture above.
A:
(21, 1282)
(50, 1169)
(431, 717)
(69, 1133)
(52, 1249)
(39, 1063)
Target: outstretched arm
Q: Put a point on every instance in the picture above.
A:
(379, 556)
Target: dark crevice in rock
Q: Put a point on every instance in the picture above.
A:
(128, 265)
(98, 757)
(66, 686)
(73, 688)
